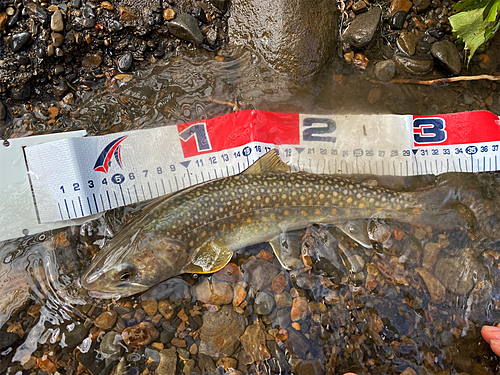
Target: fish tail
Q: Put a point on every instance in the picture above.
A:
(437, 207)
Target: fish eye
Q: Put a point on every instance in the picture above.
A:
(125, 273)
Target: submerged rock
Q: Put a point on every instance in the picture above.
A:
(414, 65)
(141, 334)
(362, 29)
(254, 344)
(458, 273)
(221, 331)
(294, 36)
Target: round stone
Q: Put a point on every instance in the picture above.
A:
(447, 54)
(398, 20)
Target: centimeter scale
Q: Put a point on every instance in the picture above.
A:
(80, 176)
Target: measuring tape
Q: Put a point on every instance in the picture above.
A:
(77, 177)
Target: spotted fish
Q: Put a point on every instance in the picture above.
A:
(198, 229)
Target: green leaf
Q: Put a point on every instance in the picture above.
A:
(466, 5)
(469, 27)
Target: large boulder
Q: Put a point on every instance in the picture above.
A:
(294, 36)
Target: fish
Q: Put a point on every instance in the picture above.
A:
(198, 229)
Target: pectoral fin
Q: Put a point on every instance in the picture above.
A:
(287, 247)
(209, 258)
(357, 230)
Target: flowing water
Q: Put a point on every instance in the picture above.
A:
(413, 302)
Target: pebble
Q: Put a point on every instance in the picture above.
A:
(239, 293)
(398, 20)
(185, 27)
(221, 5)
(56, 21)
(254, 344)
(57, 39)
(258, 273)
(107, 5)
(8, 339)
(168, 362)
(53, 112)
(75, 337)
(407, 43)
(169, 14)
(19, 40)
(414, 65)
(167, 309)
(3, 21)
(107, 319)
(88, 23)
(76, 3)
(447, 54)
(279, 283)
(141, 334)
(230, 273)
(431, 254)
(149, 306)
(10, 11)
(180, 343)
(220, 332)
(125, 62)
(458, 273)
(435, 288)
(421, 5)
(88, 12)
(263, 304)
(110, 343)
(398, 5)
(3, 111)
(359, 7)
(300, 309)
(362, 29)
(214, 291)
(92, 60)
(283, 300)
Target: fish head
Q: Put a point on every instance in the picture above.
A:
(125, 268)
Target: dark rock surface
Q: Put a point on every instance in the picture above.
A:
(447, 54)
(298, 38)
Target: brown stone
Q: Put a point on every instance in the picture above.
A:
(106, 320)
(254, 344)
(435, 288)
(53, 112)
(141, 334)
(239, 293)
(107, 5)
(180, 343)
(45, 363)
(167, 309)
(3, 20)
(214, 291)
(431, 254)
(397, 5)
(220, 332)
(227, 363)
(150, 307)
(279, 283)
(230, 273)
(168, 14)
(300, 309)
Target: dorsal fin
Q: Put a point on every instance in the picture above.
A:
(270, 162)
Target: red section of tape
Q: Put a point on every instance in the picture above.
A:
(238, 129)
(456, 128)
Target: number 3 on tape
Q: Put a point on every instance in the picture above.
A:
(429, 130)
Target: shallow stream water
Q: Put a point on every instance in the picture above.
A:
(380, 311)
